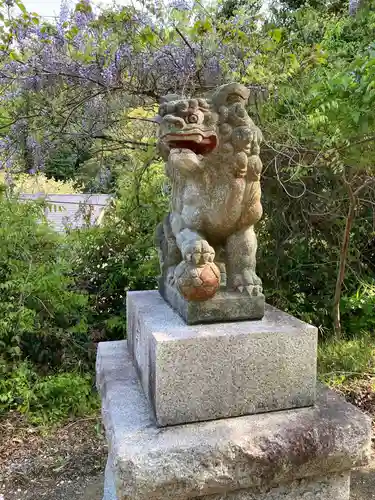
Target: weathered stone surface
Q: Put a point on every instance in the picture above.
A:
(222, 456)
(331, 487)
(205, 372)
(109, 481)
(224, 306)
(211, 147)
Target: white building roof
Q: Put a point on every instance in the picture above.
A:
(72, 210)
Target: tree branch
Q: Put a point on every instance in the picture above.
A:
(120, 141)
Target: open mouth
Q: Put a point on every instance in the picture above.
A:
(197, 143)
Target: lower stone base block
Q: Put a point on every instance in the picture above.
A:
(303, 454)
(332, 487)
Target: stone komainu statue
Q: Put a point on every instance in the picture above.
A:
(211, 149)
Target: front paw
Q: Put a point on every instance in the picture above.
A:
(247, 282)
(184, 160)
(198, 252)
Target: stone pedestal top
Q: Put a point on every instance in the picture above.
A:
(221, 456)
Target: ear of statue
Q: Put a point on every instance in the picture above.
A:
(163, 105)
(229, 94)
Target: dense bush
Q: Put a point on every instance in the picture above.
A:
(43, 318)
(319, 174)
(358, 310)
(299, 251)
(120, 254)
(46, 399)
(43, 327)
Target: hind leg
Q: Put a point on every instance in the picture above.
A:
(169, 253)
(241, 257)
(173, 254)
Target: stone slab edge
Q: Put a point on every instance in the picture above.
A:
(331, 487)
(206, 458)
(224, 306)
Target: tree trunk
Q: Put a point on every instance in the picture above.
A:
(27, 153)
(353, 200)
(342, 267)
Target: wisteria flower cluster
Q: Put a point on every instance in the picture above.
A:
(80, 73)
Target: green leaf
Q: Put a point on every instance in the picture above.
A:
(21, 6)
(82, 6)
(74, 30)
(276, 34)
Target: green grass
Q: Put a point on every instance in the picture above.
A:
(343, 360)
(47, 399)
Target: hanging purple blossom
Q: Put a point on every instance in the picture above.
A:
(65, 12)
(181, 4)
(96, 70)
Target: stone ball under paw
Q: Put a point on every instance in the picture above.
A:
(197, 283)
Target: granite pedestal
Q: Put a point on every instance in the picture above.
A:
(204, 372)
(224, 411)
(300, 454)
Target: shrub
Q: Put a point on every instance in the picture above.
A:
(298, 256)
(46, 399)
(358, 310)
(120, 255)
(43, 318)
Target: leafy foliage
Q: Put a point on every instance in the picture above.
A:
(46, 399)
(358, 310)
(39, 183)
(120, 255)
(43, 317)
(319, 168)
(43, 327)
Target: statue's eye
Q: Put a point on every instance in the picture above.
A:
(192, 119)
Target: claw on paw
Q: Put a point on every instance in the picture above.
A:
(198, 252)
(247, 282)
